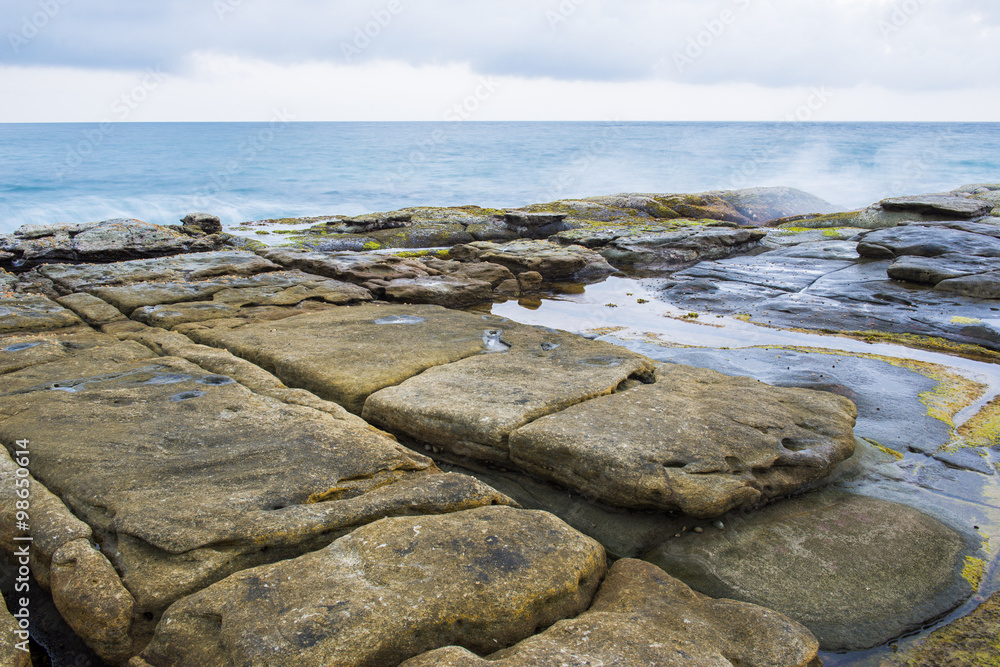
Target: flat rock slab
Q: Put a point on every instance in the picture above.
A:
(470, 407)
(551, 260)
(34, 313)
(69, 278)
(856, 571)
(447, 291)
(672, 250)
(930, 241)
(346, 354)
(643, 616)
(836, 295)
(889, 398)
(774, 270)
(357, 268)
(946, 204)
(695, 441)
(483, 579)
(188, 476)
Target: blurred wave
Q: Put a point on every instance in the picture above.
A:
(159, 172)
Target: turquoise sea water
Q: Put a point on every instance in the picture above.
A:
(247, 171)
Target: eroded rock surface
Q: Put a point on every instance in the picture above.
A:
(471, 407)
(346, 354)
(642, 616)
(695, 441)
(845, 566)
(187, 476)
(551, 260)
(107, 241)
(483, 579)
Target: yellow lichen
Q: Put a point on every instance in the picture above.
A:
(885, 450)
(965, 320)
(983, 430)
(952, 393)
(974, 571)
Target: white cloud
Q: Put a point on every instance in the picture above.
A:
(214, 87)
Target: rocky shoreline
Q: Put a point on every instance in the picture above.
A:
(332, 452)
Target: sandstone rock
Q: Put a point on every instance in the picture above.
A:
(672, 250)
(979, 286)
(187, 476)
(695, 441)
(856, 571)
(642, 616)
(91, 598)
(352, 268)
(201, 223)
(945, 204)
(370, 222)
(494, 274)
(10, 653)
(185, 268)
(931, 241)
(92, 310)
(552, 261)
(470, 407)
(34, 313)
(107, 241)
(932, 270)
(484, 579)
(448, 291)
(532, 225)
(346, 354)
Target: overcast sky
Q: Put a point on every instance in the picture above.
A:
(219, 60)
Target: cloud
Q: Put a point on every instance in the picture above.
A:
(906, 45)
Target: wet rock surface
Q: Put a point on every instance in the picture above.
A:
(195, 429)
(834, 562)
(642, 616)
(972, 640)
(814, 286)
(483, 579)
(107, 241)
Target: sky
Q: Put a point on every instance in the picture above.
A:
(432, 60)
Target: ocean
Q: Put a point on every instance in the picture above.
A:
(158, 172)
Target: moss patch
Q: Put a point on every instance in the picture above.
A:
(885, 450)
(971, 641)
(952, 393)
(983, 430)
